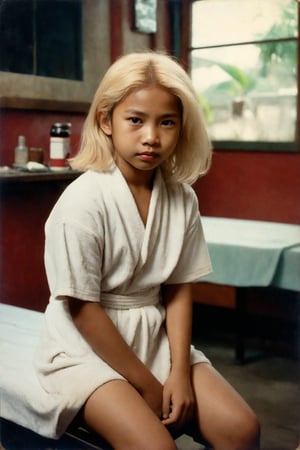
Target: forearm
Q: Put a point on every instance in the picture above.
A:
(178, 302)
(100, 332)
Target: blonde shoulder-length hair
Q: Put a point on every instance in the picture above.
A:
(192, 156)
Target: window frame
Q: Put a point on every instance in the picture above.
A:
(42, 39)
(24, 91)
(269, 146)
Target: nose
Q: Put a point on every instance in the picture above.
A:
(151, 135)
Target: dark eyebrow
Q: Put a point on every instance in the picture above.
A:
(134, 111)
(141, 113)
(170, 115)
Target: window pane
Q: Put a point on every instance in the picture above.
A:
(248, 92)
(16, 31)
(247, 79)
(41, 37)
(218, 22)
(58, 39)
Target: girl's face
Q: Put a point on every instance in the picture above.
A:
(144, 129)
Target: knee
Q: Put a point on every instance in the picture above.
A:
(247, 432)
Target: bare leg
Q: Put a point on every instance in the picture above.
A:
(120, 415)
(224, 418)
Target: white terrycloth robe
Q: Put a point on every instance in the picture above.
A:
(98, 249)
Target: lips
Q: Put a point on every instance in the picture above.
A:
(148, 156)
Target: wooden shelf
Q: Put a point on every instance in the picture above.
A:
(18, 176)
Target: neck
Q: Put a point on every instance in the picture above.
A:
(137, 179)
(141, 182)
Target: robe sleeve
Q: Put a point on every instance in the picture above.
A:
(73, 256)
(194, 261)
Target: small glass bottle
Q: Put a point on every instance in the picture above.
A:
(59, 146)
(21, 152)
(36, 154)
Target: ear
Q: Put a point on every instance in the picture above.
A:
(105, 123)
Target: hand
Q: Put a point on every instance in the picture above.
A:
(178, 400)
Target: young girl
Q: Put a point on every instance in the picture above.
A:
(123, 244)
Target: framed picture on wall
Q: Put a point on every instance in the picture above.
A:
(144, 16)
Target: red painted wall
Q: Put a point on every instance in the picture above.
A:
(35, 126)
(24, 210)
(252, 185)
(26, 206)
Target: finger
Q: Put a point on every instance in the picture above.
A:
(166, 406)
(180, 415)
(173, 417)
(169, 421)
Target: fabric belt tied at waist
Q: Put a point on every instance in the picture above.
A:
(116, 301)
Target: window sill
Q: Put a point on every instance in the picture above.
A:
(287, 147)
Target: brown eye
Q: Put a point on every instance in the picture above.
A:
(168, 123)
(135, 120)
